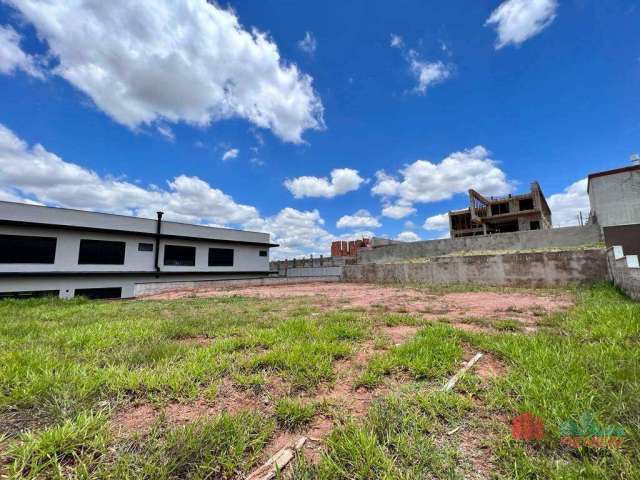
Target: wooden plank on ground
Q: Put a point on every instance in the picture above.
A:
(277, 462)
(453, 380)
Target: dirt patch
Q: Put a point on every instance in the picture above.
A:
(400, 333)
(229, 399)
(475, 448)
(198, 341)
(471, 327)
(490, 368)
(525, 307)
(134, 420)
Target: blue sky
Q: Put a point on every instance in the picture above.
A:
(314, 120)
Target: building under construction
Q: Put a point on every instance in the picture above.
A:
(513, 213)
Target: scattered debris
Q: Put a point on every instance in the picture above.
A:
(453, 380)
(277, 462)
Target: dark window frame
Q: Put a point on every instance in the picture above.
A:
(500, 208)
(177, 262)
(99, 293)
(264, 253)
(221, 257)
(527, 203)
(23, 294)
(94, 252)
(145, 247)
(18, 246)
(536, 223)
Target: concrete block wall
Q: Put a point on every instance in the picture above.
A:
(540, 269)
(283, 266)
(315, 272)
(556, 237)
(623, 276)
(142, 289)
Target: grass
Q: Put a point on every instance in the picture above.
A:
(292, 414)
(67, 368)
(431, 354)
(220, 447)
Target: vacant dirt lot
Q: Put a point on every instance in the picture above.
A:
(466, 310)
(212, 386)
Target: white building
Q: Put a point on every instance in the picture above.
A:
(58, 251)
(614, 196)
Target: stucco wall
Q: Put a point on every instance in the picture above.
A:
(625, 278)
(541, 269)
(615, 198)
(67, 284)
(556, 237)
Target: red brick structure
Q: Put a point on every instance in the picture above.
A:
(342, 248)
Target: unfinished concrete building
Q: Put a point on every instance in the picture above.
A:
(512, 213)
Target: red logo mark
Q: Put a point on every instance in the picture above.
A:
(527, 427)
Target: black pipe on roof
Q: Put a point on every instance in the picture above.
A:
(158, 240)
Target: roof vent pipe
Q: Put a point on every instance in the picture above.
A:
(158, 229)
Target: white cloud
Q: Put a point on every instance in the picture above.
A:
(343, 180)
(425, 182)
(164, 61)
(396, 41)
(516, 21)
(566, 206)
(230, 154)
(397, 210)
(12, 57)
(408, 237)
(34, 171)
(360, 219)
(297, 232)
(308, 44)
(166, 132)
(427, 73)
(437, 222)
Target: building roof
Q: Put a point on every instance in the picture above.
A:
(630, 168)
(12, 213)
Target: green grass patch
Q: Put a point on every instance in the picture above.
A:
(291, 414)
(75, 445)
(221, 447)
(584, 362)
(432, 353)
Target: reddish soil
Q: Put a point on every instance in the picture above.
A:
(134, 419)
(524, 307)
(400, 333)
(489, 368)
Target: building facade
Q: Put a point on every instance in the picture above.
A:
(512, 213)
(614, 196)
(63, 252)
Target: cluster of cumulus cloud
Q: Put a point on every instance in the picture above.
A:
(155, 63)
